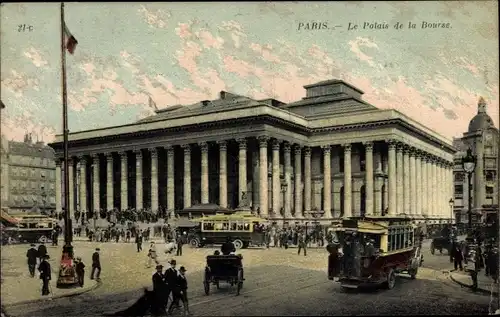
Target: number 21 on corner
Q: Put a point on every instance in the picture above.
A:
(24, 28)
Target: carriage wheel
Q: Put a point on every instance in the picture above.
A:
(195, 243)
(42, 239)
(206, 283)
(238, 244)
(432, 248)
(239, 281)
(391, 279)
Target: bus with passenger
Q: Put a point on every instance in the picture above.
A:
(32, 228)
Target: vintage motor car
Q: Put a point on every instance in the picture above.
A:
(372, 250)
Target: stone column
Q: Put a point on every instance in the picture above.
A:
(378, 181)
(385, 192)
(400, 178)
(204, 172)
(109, 182)
(347, 181)
(124, 180)
(427, 184)
(406, 180)
(263, 176)
(170, 181)
(58, 186)
(327, 181)
(71, 177)
(418, 170)
(369, 201)
(95, 183)
(440, 194)
(433, 187)
(187, 175)
(222, 173)
(413, 184)
(392, 182)
(288, 179)
(242, 169)
(154, 180)
(307, 179)
(298, 182)
(83, 184)
(139, 203)
(276, 177)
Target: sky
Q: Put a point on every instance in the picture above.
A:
(181, 53)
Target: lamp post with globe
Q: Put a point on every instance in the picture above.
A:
(469, 164)
(452, 203)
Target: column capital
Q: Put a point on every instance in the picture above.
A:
(95, 156)
(138, 153)
(368, 146)
(412, 151)
(170, 150)
(263, 139)
(123, 154)
(297, 149)
(82, 158)
(307, 151)
(186, 148)
(222, 145)
(401, 147)
(347, 147)
(287, 148)
(109, 156)
(326, 149)
(58, 162)
(391, 143)
(242, 143)
(203, 147)
(276, 144)
(154, 152)
(418, 154)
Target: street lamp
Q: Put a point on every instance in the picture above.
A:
(284, 188)
(451, 202)
(469, 164)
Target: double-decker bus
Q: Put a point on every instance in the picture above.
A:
(32, 228)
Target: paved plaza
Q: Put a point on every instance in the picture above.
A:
(278, 282)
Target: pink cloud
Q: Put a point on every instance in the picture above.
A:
(17, 83)
(155, 18)
(35, 57)
(356, 49)
(208, 40)
(265, 52)
(235, 31)
(184, 30)
(14, 128)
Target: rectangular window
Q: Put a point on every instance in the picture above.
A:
(459, 189)
(489, 191)
(490, 176)
(459, 177)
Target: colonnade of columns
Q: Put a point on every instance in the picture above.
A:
(399, 180)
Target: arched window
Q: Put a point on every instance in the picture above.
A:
(362, 194)
(342, 201)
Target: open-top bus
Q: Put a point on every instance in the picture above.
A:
(242, 227)
(394, 248)
(32, 228)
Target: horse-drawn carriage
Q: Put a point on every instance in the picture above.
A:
(224, 268)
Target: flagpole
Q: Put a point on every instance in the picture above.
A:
(68, 248)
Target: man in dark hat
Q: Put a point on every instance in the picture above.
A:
(159, 290)
(80, 271)
(32, 254)
(170, 278)
(228, 247)
(179, 291)
(45, 274)
(42, 251)
(96, 265)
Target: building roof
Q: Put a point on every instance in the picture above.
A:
(481, 121)
(29, 148)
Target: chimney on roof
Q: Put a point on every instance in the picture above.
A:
(222, 94)
(205, 102)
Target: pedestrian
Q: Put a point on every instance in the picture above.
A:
(159, 290)
(177, 292)
(138, 242)
(42, 251)
(152, 254)
(45, 274)
(180, 242)
(302, 243)
(80, 271)
(182, 285)
(96, 265)
(170, 278)
(32, 255)
(457, 256)
(127, 236)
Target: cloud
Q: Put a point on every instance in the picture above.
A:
(17, 83)
(356, 49)
(155, 18)
(35, 57)
(15, 127)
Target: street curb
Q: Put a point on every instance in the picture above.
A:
(44, 299)
(479, 289)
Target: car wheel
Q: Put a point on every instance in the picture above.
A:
(238, 244)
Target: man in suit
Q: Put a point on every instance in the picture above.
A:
(45, 274)
(302, 243)
(159, 289)
(32, 255)
(179, 292)
(181, 240)
(170, 277)
(96, 265)
(80, 270)
(42, 251)
(227, 247)
(138, 241)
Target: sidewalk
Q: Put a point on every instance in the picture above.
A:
(485, 283)
(18, 287)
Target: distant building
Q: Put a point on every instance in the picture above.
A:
(27, 175)
(482, 138)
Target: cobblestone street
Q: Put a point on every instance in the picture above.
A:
(278, 282)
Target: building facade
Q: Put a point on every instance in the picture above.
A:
(28, 176)
(328, 155)
(483, 138)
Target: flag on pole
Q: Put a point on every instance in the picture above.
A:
(152, 104)
(70, 41)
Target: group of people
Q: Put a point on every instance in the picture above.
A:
(172, 283)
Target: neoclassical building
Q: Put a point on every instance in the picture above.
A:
(328, 155)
